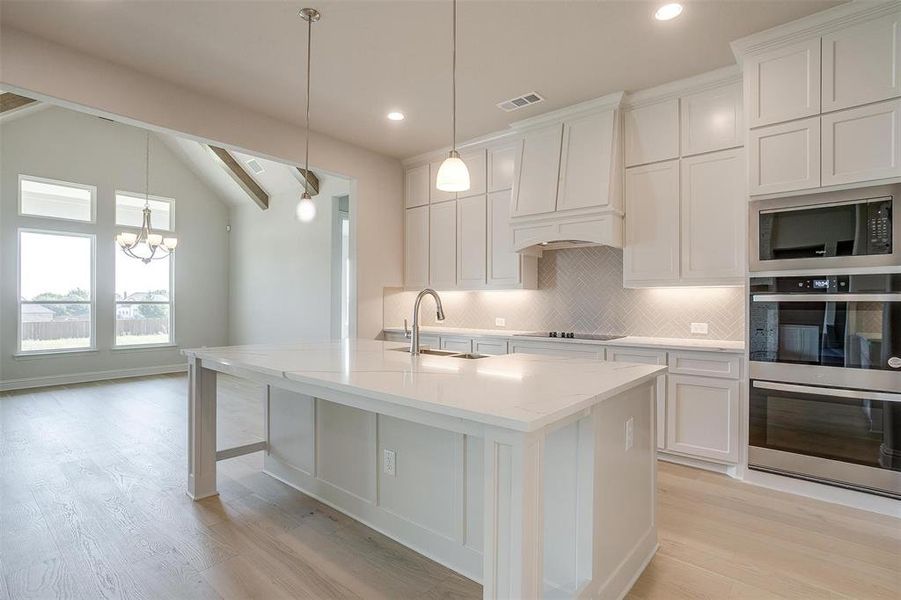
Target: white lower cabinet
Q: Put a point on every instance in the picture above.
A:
(862, 144)
(647, 356)
(443, 245)
(489, 347)
(456, 344)
(702, 417)
(552, 349)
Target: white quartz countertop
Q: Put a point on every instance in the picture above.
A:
(629, 340)
(523, 392)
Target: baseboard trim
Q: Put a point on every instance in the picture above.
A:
(730, 470)
(68, 379)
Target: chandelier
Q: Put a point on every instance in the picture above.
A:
(146, 245)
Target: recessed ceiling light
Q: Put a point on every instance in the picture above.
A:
(668, 11)
(395, 116)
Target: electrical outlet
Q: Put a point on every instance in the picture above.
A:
(500, 322)
(630, 433)
(389, 462)
(700, 328)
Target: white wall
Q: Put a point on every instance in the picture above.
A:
(48, 70)
(281, 269)
(62, 144)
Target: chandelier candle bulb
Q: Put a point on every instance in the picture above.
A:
(128, 238)
(170, 242)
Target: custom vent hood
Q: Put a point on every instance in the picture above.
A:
(568, 180)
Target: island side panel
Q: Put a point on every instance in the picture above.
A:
(201, 430)
(625, 531)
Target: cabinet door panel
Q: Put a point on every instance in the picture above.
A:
(586, 149)
(503, 262)
(714, 209)
(652, 223)
(456, 344)
(501, 166)
(712, 120)
(471, 241)
(652, 133)
(492, 348)
(537, 172)
(416, 188)
(784, 157)
(475, 162)
(436, 195)
(862, 144)
(862, 63)
(702, 417)
(568, 350)
(784, 83)
(416, 247)
(443, 245)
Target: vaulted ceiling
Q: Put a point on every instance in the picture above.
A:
(372, 57)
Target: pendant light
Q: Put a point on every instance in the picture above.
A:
(453, 176)
(146, 245)
(306, 209)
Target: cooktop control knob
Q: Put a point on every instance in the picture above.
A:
(552, 334)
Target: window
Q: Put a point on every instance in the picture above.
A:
(143, 301)
(56, 199)
(56, 291)
(130, 207)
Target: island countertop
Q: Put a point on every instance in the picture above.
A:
(523, 392)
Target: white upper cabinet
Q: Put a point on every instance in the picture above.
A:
(784, 158)
(416, 247)
(585, 162)
(862, 144)
(443, 245)
(862, 63)
(712, 120)
(537, 172)
(478, 176)
(652, 132)
(436, 195)
(471, 241)
(416, 187)
(784, 83)
(714, 208)
(652, 224)
(503, 262)
(501, 166)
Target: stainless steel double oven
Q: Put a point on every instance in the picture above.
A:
(825, 379)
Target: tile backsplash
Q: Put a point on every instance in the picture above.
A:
(580, 289)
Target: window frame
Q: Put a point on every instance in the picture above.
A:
(169, 201)
(91, 188)
(93, 302)
(171, 303)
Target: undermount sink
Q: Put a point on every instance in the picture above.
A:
(448, 353)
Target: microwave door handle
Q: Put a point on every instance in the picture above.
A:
(891, 297)
(817, 391)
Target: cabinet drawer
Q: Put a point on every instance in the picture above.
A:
(456, 344)
(490, 347)
(708, 364)
(429, 341)
(395, 337)
(636, 355)
(570, 350)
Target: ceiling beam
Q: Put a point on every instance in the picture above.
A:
(240, 176)
(309, 180)
(10, 101)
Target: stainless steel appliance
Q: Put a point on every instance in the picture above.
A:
(571, 335)
(847, 229)
(825, 379)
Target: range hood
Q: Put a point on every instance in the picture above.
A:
(568, 188)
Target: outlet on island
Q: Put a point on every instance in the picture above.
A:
(389, 462)
(630, 433)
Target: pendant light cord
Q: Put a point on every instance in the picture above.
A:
(454, 79)
(306, 174)
(147, 172)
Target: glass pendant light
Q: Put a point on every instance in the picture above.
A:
(306, 209)
(453, 176)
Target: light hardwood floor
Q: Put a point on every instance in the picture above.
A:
(92, 505)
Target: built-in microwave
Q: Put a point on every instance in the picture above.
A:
(847, 229)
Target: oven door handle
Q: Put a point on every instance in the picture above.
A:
(837, 392)
(896, 297)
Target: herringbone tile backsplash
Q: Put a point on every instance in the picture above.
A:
(581, 289)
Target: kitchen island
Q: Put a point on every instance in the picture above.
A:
(532, 474)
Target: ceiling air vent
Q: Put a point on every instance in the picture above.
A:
(520, 102)
(254, 166)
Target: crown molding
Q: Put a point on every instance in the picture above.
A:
(489, 140)
(691, 85)
(815, 25)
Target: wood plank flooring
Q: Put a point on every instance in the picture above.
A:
(92, 505)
